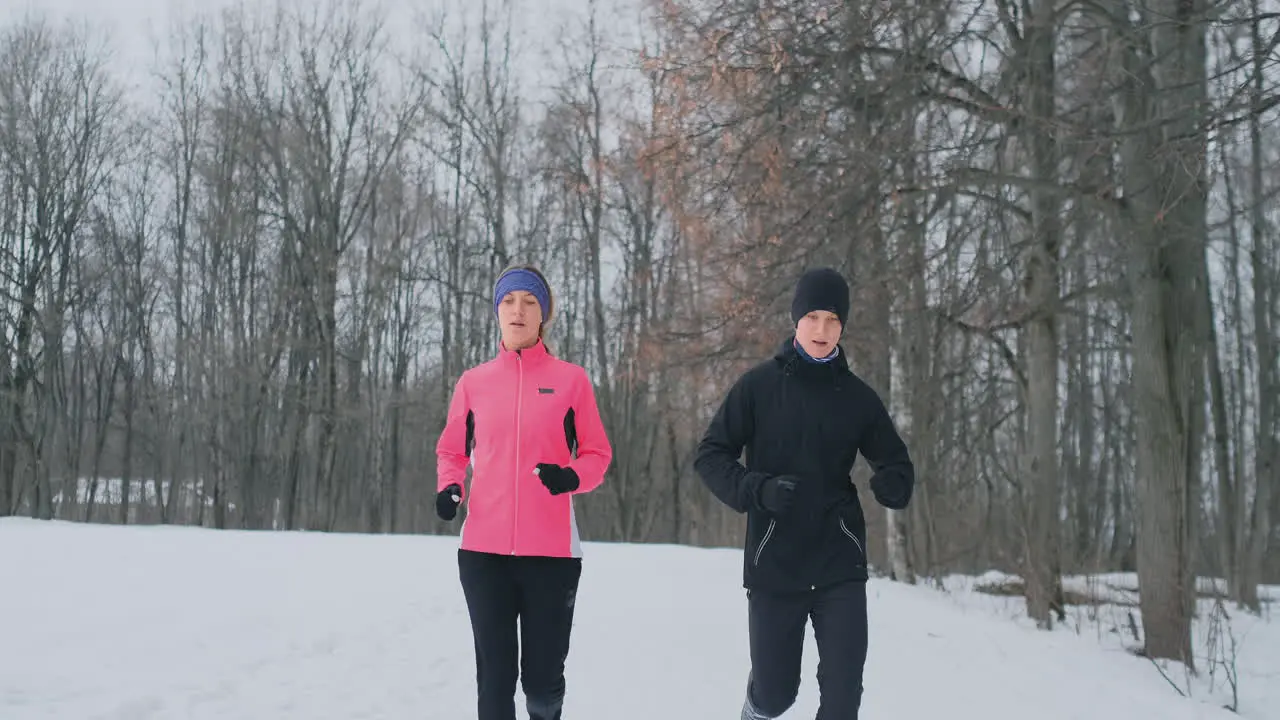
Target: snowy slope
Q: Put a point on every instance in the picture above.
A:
(136, 623)
(1237, 653)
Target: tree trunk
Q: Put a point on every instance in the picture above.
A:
(1266, 444)
(1042, 565)
(1160, 110)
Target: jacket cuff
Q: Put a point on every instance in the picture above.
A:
(753, 483)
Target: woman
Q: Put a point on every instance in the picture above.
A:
(527, 424)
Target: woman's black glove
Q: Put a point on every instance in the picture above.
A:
(447, 502)
(557, 479)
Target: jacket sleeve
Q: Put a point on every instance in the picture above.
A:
(453, 451)
(882, 446)
(594, 450)
(717, 460)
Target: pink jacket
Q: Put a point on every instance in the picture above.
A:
(506, 416)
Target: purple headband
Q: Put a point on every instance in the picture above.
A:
(522, 279)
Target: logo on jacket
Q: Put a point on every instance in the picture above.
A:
(546, 391)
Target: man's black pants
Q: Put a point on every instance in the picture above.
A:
(538, 591)
(777, 628)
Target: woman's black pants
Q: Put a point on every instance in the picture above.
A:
(539, 593)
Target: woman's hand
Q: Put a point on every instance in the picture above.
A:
(447, 502)
(557, 479)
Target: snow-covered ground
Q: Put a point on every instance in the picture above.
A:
(136, 623)
(1237, 653)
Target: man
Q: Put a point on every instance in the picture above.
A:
(803, 417)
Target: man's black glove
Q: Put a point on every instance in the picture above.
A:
(891, 490)
(557, 479)
(778, 493)
(447, 502)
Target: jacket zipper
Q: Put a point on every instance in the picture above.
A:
(852, 537)
(767, 534)
(515, 520)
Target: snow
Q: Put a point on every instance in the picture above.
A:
(1237, 653)
(167, 622)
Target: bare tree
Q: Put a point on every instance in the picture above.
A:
(319, 148)
(56, 105)
(242, 300)
(1161, 111)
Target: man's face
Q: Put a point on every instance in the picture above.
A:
(818, 332)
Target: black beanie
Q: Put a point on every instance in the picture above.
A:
(821, 289)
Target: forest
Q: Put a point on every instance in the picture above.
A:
(238, 291)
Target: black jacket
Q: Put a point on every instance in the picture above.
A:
(798, 417)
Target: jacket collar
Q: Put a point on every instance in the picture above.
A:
(793, 363)
(534, 353)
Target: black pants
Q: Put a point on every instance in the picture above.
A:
(538, 591)
(777, 627)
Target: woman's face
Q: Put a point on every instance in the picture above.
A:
(520, 317)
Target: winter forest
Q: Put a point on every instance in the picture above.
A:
(240, 282)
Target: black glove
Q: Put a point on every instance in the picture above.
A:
(447, 502)
(889, 491)
(557, 479)
(778, 493)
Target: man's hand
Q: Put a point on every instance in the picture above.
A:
(777, 494)
(891, 490)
